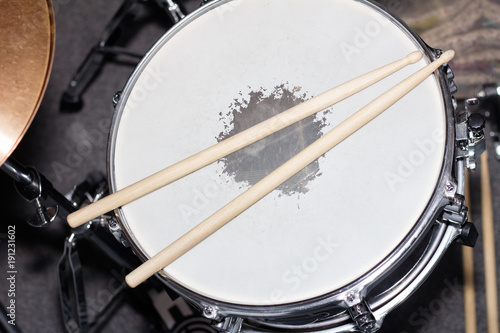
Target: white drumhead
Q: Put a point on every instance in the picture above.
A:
(225, 68)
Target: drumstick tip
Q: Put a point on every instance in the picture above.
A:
(447, 56)
(131, 282)
(414, 57)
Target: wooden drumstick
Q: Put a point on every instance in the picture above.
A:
(489, 247)
(236, 142)
(468, 273)
(282, 173)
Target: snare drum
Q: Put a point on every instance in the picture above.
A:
(345, 240)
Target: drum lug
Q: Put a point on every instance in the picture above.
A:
(220, 323)
(450, 190)
(470, 140)
(452, 87)
(457, 213)
(116, 231)
(361, 313)
(450, 76)
(116, 98)
(228, 325)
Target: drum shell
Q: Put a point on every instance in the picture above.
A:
(327, 311)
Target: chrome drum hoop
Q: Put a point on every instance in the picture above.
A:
(269, 316)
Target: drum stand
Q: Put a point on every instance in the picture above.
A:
(71, 100)
(35, 188)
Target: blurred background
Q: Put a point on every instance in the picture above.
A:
(67, 145)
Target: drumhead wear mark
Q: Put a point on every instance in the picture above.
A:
(250, 164)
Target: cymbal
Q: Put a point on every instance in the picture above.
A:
(27, 39)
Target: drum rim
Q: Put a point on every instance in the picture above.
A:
(337, 297)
